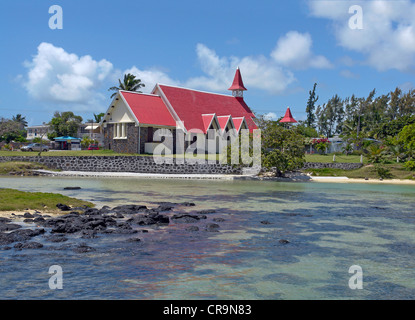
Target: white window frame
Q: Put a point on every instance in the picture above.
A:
(120, 130)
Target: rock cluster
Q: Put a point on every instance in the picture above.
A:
(87, 223)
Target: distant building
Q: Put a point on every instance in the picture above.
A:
(92, 130)
(40, 131)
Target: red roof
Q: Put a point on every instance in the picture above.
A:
(223, 121)
(238, 123)
(148, 109)
(207, 121)
(190, 105)
(237, 82)
(288, 118)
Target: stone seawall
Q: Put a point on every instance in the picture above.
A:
(332, 165)
(137, 164)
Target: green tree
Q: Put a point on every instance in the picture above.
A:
(282, 149)
(330, 116)
(98, 117)
(130, 83)
(394, 102)
(311, 118)
(64, 124)
(11, 131)
(20, 120)
(406, 138)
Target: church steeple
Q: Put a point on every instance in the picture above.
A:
(237, 87)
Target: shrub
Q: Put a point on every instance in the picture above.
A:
(383, 173)
(410, 165)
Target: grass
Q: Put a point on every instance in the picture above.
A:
(11, 199)
(397, 171)
(329, 158)
(21, 167)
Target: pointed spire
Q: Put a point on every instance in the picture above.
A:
(237, 84)
(288, 118)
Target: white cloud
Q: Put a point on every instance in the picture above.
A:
(150, 77)
(348, 74)
(387, 39)
(294, 51)
(258, 72)
(56, 76)
(270, 116)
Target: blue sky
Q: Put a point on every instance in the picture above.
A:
(281, 47)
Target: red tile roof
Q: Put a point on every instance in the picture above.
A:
(148, 109)
(189, 106)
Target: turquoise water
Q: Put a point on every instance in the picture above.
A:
(330, 227)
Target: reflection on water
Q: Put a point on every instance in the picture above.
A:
(329, 227)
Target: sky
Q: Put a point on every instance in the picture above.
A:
(281, 47)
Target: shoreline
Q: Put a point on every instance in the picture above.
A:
(355, 180)
(293, 177)
(13, 214)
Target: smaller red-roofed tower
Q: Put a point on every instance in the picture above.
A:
(288, 118)
(238, 87)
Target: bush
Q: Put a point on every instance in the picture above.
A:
(410, 165)
(383, 173)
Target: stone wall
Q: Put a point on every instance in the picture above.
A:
(128, 145)
(332, 165)
(125, 164)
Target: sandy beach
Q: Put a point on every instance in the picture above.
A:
(373, 181)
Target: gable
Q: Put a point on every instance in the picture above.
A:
(119, 112)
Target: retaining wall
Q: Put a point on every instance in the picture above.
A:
(125, 164)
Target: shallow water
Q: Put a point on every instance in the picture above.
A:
(330, 227)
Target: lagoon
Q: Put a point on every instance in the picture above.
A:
(277, 240)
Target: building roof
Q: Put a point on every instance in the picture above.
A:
(66, 138)
(189, 106)
(223, 121)
(148, 109)
(288, 118)
(207, 121)
(238, 123)
(237, 82)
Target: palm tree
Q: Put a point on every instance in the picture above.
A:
(20, 120)
(130, 83)
(98, 117)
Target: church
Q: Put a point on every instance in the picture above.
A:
(132, 118)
